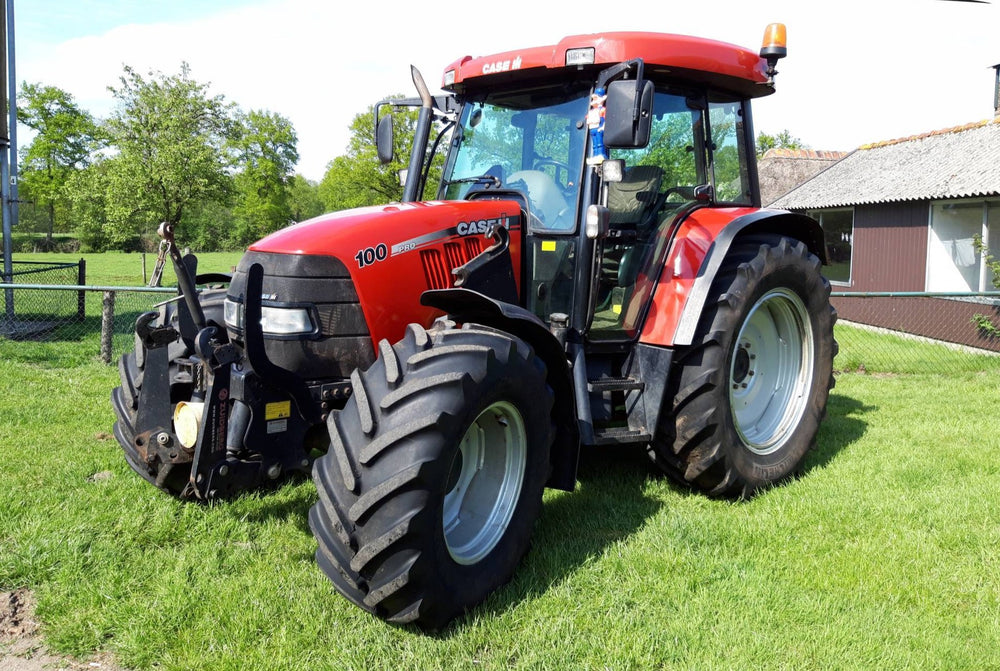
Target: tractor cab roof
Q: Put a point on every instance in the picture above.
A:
(578, 58)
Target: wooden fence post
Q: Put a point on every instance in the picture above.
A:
(107, 325)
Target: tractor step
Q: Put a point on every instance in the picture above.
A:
(603, 384)
(620, 436)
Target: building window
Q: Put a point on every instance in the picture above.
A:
(953, 261)
(838, 232)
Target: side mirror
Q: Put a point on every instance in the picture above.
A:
(383, 138)
(629, 114)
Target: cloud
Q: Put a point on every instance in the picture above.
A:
(856, 71)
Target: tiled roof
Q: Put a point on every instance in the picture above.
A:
(781, 170)
(957, 162)
(805, 154)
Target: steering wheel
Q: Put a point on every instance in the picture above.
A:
(558, 168)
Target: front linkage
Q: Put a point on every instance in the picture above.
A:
(205, 424)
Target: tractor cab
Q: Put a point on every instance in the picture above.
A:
(632, 146)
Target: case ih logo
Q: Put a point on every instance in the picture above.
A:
(481, 226)
(502, 66)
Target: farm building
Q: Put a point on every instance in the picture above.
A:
(781, 170)
(905, 215)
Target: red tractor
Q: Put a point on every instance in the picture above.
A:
(596, 270)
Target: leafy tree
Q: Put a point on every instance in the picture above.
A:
(172, 141)
(65, 140)
(266, 154)
(358, 178)
(87, 189)
(303, 198)
(983, 322)
(782, 140)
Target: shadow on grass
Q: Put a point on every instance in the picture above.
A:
(289, 499)
(843, 426)
(608, 506)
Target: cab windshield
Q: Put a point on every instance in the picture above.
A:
(532, 142)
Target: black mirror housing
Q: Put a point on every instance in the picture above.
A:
(629, 114)
(383, 139)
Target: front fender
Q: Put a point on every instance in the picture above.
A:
(697, 252)
(467, 306)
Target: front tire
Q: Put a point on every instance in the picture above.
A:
(431, 488)
(748, 395)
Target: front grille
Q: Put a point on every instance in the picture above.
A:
(344, 342)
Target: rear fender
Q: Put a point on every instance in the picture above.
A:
(468, 306)
(697, 252)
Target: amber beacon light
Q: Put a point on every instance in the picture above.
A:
(773, 47)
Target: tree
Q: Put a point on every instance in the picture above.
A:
(782, 140)
(303, 197)
(65, 140)
(172, 140)
(358, 178)
(266, 154)
(983, 322)
(87, 189)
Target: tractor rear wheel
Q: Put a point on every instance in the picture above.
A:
(433, 482)
(748, 395)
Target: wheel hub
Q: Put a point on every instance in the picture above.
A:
(741, 364)
(484, 483)
(771, 371)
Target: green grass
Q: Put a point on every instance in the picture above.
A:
(882, 554)
(868, 351)
(107, 269)
(125, 269)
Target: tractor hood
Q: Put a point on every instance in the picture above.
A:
(395, 252)
(400, 228)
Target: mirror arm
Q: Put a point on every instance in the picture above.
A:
(609, 74)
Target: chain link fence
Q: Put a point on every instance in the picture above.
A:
(893, 333)
(35, 306)
(38, 309)
(916, 332)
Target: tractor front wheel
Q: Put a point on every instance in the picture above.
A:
(746, 398)
(433, 482)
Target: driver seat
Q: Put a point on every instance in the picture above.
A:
(632, 200)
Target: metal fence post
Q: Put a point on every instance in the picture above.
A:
(81, 296)
(107, 325)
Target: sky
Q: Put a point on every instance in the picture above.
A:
(857, 71)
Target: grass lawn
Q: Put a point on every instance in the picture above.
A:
(111, 269)
(125, 269)
(881, 555)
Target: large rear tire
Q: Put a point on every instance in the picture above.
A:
(747, 397)
(431, 488)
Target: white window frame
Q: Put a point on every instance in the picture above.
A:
(985, 281)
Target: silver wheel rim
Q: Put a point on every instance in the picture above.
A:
(770, 372)
(485, 479)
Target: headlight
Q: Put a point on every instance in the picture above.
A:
(273, 320)
(286, 321)
(232, 313)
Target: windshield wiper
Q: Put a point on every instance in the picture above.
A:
(476, 180)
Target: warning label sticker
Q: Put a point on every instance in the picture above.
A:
(279, 410)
